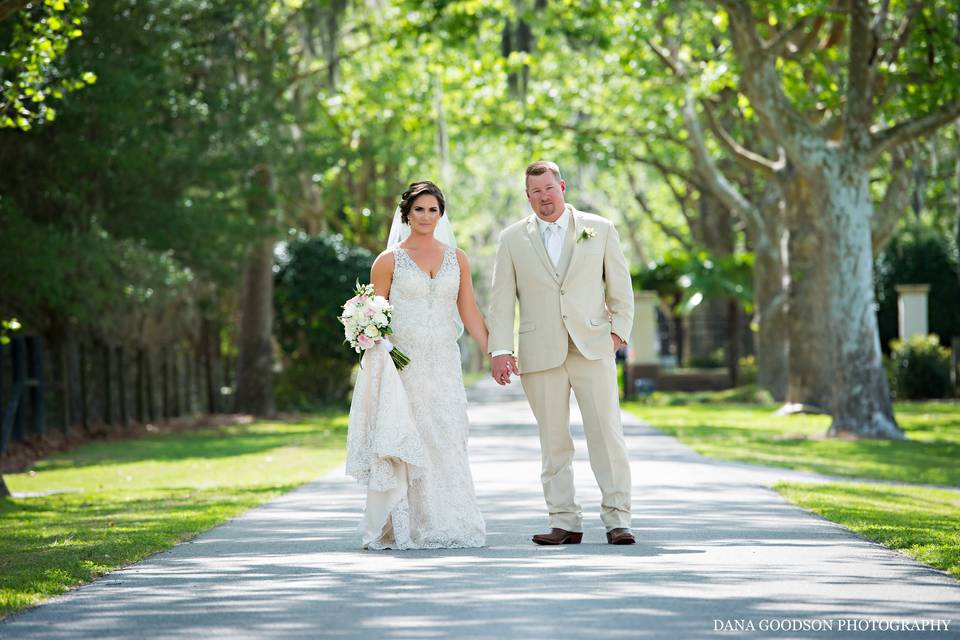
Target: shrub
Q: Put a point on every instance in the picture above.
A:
(315, 276)
(748, 370)
(717, 359)
(919, 255)
(920, 368)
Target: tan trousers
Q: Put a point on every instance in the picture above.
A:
(594, 382)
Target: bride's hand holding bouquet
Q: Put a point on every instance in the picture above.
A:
(366, 322)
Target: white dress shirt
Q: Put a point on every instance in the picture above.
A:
(552, 234)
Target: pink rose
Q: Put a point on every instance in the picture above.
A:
(365, 341)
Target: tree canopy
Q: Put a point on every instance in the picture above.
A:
(742, 135)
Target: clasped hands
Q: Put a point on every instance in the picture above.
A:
(504, 365)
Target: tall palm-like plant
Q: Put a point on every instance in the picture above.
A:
(685, 279)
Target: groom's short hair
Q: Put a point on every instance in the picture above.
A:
(540, 167)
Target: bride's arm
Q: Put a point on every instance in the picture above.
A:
(381, 274)
(467, 304)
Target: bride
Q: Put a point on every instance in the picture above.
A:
(407, 437)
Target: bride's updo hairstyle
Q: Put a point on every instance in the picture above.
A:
(414, 191)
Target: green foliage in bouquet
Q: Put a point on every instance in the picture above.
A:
(314, 276)
(920, 368)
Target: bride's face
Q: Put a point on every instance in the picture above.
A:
(424, 214)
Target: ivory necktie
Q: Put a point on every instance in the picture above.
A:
(553, 243)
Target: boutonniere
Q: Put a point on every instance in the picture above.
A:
(586, 233)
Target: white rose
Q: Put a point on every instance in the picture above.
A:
(349, 310)
(380, 319)
(372, 332)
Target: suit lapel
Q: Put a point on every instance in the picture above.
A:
(533, 235)
(577, 222)
(567, 253)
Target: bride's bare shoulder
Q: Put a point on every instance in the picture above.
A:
(384, 262)
(387, 257)
(462, 257)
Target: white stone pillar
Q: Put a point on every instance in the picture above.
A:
(643, 339)
(912, 309)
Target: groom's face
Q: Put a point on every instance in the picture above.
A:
(545, 193)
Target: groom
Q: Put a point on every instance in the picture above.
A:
(576, 309)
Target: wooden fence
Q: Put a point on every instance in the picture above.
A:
(955, 362)
(83, 384)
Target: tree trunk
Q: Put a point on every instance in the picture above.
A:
(770, 300)
(733, 341)
(4, 492)
(710, 321)
(956, 196)
(861, 402)
(809, 375)
(253, 390)
(211, 392)
(254, 387)
(681, 328)
(71, 347)
(836, 257)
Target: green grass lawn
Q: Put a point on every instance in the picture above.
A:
(473, 377)
(920, 521)
(128, 499)
(752, 433)
(923, 523)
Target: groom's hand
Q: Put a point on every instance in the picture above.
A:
(502, 366)
(617, 342)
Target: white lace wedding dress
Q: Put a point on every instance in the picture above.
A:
(407, 438)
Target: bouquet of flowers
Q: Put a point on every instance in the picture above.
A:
(366, 321)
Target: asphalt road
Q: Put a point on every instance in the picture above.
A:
(718, 552)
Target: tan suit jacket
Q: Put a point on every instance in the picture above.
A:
(588, 297)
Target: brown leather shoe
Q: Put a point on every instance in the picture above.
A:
(620, 536)
(558, 536)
